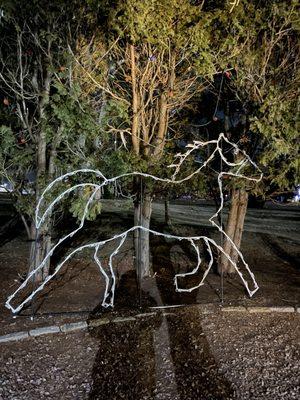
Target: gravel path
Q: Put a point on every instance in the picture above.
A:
(238, 356)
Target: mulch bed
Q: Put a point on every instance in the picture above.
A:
(78, 289)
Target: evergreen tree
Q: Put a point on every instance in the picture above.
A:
(46, 125)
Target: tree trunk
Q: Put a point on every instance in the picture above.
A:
(242, 209)
(135, 103)
(234, 229)
(230, 229)
(36, 256)
(142, 216)
(42, 239)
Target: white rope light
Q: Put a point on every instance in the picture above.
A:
(110, 282)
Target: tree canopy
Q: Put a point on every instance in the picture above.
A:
(117, 85)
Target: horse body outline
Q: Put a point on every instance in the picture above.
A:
(110, 282)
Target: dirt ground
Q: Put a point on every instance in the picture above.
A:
(179, 355)
(183, 355)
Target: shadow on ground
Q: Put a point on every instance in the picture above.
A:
(156, 356)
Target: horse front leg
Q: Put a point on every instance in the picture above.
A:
(105, 301)
(234, 265)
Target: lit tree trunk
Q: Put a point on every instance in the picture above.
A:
(41, 243)
(142, 216)
(42, 238)
(234, 229)
(135, 104)
(242, 210)
(149, 123)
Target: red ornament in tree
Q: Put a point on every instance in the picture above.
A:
(228, 74)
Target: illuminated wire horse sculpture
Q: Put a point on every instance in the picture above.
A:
(110, 281)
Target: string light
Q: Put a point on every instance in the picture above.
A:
(110, 282)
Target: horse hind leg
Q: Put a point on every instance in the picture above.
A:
(110, 279)
(111, 298)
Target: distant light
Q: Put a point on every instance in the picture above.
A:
(297, 195)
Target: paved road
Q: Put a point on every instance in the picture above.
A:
(277, 220)
(280, 222)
